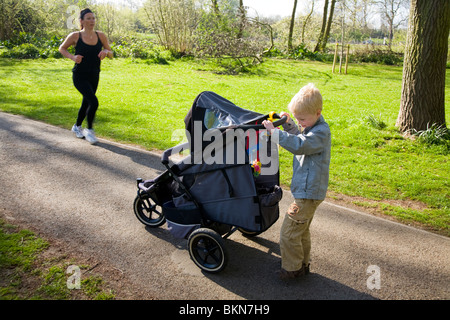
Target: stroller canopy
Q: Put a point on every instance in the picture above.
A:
(216, 112)
(220, 117)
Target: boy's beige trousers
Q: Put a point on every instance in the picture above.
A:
(295, 238)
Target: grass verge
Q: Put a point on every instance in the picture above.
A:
(28, 273)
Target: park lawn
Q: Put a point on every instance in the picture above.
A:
(145, 104)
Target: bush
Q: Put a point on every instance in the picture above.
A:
(27, 46)
(378, 56)
(141, 49)
(274, 52)
(51, 53)
(49, 48)
(23, 51)
(236, 45)
(301, 52)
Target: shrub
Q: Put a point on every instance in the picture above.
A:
(301, 52)
(274, 52)
(51, 53)
(28, 46)
(23, 51)
(236, 45)
(49, 48)
(378, 56)
(141, 49)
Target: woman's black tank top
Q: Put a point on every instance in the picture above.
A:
(90, 62)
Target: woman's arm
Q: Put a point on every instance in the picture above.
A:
(106, 52)
(71, 40)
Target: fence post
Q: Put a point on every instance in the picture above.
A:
(335, 54)
(346, 58)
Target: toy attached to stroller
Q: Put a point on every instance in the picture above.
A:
(228, 182)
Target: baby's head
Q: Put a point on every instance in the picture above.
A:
(306, 105)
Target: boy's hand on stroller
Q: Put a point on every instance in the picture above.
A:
(285, 114)
(268, 125)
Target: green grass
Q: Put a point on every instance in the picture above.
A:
(143, 104)
(26, 276)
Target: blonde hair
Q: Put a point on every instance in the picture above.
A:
(308, 100)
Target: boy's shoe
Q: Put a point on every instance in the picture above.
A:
(78, 130)
(90, 136)
(285, 275)
(306, 268)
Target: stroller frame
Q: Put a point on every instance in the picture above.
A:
(185, 194)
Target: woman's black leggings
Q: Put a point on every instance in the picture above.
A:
(87, 84)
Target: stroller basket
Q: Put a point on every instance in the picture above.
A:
(269, 205)
(181, 221)
(189, 214)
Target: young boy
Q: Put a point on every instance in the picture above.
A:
(311, 145)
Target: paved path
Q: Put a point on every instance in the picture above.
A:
(82, 195)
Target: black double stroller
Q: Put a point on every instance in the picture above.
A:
(228, 181)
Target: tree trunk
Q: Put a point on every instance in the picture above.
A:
(291, 27)
(242, 18)
(305, 22)
(423, 89)
(215, 6)
(324, 23)
(391, 33)
(323, 45)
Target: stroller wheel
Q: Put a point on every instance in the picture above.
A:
(206, 248)
(148, 212)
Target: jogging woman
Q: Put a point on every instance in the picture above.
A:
(90, 48)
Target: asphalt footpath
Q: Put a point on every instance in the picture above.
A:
(82, 195)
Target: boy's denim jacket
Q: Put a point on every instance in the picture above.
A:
(311, 149)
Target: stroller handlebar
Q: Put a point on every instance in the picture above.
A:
(277, 123)
(166, 154)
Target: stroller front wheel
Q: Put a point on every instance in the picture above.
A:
(207, 250)
(148, 212)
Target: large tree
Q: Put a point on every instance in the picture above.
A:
(423, 90)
